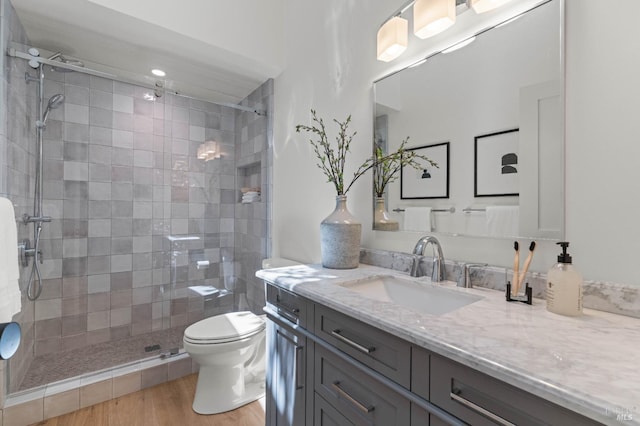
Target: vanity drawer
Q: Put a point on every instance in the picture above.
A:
(325, 415)
(380, 351)
(288, 305)
(479, 399)
(355, 395)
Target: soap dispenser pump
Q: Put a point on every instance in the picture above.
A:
(564, 286)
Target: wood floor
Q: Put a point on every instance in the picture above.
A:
(162, 405)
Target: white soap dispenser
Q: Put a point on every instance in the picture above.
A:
(564, 286)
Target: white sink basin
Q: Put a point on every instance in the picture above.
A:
(418, 296)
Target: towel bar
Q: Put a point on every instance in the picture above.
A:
(471, 209)
(449, 210)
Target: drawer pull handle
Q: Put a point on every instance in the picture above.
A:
(285, 306)
(455, 395)
(365, 409)
(358, 346)
(288, 315)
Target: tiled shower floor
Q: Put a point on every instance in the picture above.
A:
(63, 365)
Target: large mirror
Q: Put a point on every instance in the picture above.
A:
(491, 115)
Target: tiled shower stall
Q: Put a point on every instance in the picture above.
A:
(133, 211)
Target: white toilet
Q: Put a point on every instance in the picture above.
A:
(230, 350)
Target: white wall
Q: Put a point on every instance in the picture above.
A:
(603, 138)
(331, 66)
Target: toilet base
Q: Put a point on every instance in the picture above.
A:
(215, 400)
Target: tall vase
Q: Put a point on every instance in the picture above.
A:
(381, 219)
(340, 234)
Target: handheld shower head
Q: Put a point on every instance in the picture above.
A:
(54, 102)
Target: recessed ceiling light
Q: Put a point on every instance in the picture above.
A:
(158, 72)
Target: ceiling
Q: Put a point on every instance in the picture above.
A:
(216, 50)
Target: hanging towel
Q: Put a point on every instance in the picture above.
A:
(503, 221)
(417, 219)
(10, 298)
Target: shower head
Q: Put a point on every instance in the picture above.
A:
(54, 102)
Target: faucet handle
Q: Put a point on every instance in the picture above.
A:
(466, 274)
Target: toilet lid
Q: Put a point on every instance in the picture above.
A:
(224, 328)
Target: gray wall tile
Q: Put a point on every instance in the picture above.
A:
(101, 99)
(122, 174)
(76, 171)
(74, 151)
(98, 246)
(76, 113)
(100, 172)
(100, 135)
(99, 191)
(122, 103)
(100, 117)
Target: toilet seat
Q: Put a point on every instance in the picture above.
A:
(225, 328)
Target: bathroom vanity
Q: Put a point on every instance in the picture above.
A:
(337, 355)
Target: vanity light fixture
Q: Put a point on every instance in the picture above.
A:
(392, 38)
(431, 17)
(482, 6)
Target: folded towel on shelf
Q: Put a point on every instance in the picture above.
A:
(417, 219)
(503, 221)
(250, 198)
(10, 297)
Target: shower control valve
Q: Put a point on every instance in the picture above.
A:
(25, 251)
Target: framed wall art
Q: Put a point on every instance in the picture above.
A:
(496, 164)
(428, 181)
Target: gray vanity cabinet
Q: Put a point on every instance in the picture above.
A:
(481, 400)
(359, 398)
(324, 414)
(288, 388)
(327, 368)
(378, 350)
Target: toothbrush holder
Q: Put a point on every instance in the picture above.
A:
(525, 298)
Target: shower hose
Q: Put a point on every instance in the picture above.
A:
(34, 288)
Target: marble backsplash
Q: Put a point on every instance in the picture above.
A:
(603, 296)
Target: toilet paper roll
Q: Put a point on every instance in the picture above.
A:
(202, 264)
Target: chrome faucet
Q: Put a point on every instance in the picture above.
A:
(466, 274)
(437, 272)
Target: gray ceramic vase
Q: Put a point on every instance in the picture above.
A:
(381, 219)
(340, 234)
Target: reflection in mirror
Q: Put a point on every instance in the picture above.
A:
(497, 105)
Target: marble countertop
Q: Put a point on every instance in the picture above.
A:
(588, 364)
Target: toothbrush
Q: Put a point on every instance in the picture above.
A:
(516, 265)
(527, 262)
